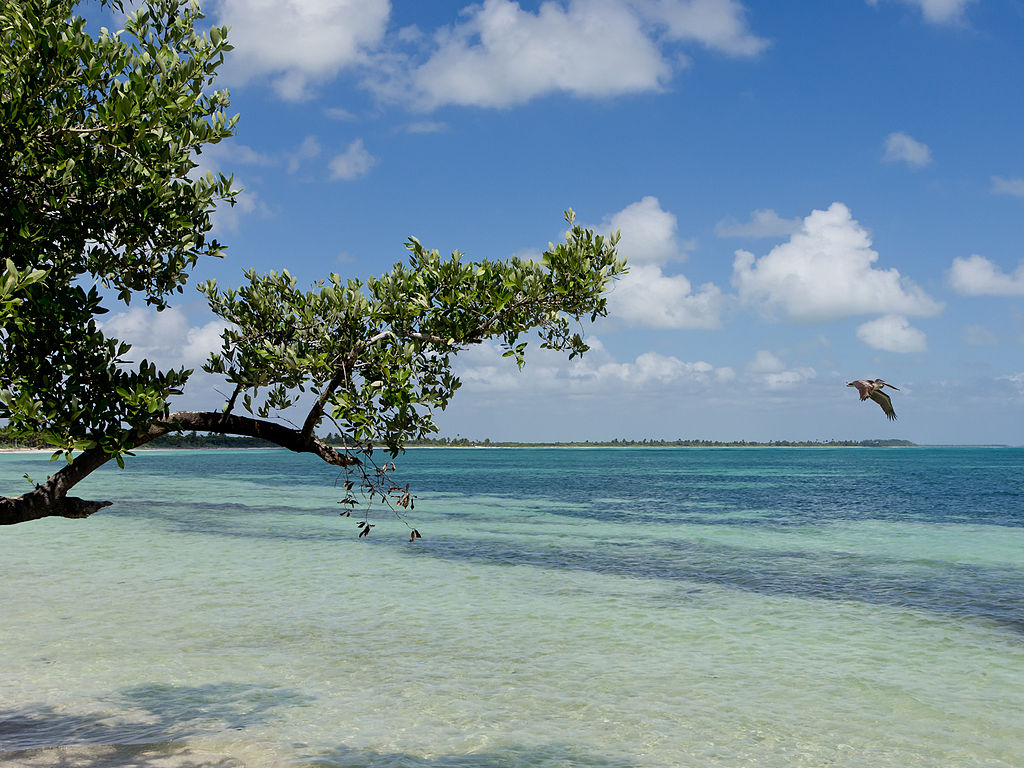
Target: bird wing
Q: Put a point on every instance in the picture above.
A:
(883, 400)
(863, 387)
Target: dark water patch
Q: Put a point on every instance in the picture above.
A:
(986, 593)
(513, 756)
(795, 485)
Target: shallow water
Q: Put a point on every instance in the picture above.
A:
(594, 607)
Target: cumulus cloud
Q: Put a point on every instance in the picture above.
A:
(482, 369)
(649, 233)
(298, 43)
(788, 379)
(646, 296)
(977, 276)
(716, 24)
(765, 362)
(497, 54)
(825, 272)
(901, 148)
(1001, 186)
(354, 162)
(764, 222)
(501, 55)
(892, 333)
(769, 371)
(938, 11)
(165, 338)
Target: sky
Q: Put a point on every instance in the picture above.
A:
(807, 193)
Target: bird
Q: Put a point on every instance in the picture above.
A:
(873, 389)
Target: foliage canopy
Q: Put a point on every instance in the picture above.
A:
(100, 198)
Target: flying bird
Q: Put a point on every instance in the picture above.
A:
(873, 389)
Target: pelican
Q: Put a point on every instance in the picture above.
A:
(873, 389)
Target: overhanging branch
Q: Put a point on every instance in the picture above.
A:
(50, 499)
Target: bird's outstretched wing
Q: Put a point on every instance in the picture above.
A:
(863, 386)
(883, 400)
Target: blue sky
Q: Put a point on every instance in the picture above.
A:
(808, 193)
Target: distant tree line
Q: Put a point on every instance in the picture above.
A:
(193, 439)
(464, 442)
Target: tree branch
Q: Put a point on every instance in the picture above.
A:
(50, 499)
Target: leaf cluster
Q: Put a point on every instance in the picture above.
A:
(378, 356)
(97, 191)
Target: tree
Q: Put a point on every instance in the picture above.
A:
(97, 190)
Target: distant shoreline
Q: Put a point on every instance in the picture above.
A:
(247, 444)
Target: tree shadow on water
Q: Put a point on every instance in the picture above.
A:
(988, 593)
(514, 756)
(145, 726)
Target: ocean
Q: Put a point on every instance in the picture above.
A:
(591, 608)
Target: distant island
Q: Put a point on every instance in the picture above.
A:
(196, 440)
(463, 442)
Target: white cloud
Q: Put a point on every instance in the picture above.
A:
(1016, 379)
(1001, 186)
(764, 222)
(649, 234)
(765, 362)
(824, 272)
(299, 42)
(352, 163)
(307, 150)
(892, 333)
(482, 369)
(426, 126)
(648, 297)
(769, 371)
(788, 379)
(977, 276)
(165, 338)
(337, 113)
(496, 55)
(938, 11)
(901, 148)
(219, 158)
(228, 218)
(230, 152)
(501, 55)
(717, 24)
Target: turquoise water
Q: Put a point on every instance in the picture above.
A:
(601, 608)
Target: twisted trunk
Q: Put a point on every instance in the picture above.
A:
(50, 499)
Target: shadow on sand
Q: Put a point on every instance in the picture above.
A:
(147, 726)
(153, 726)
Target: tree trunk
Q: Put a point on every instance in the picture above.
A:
(50, 499)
